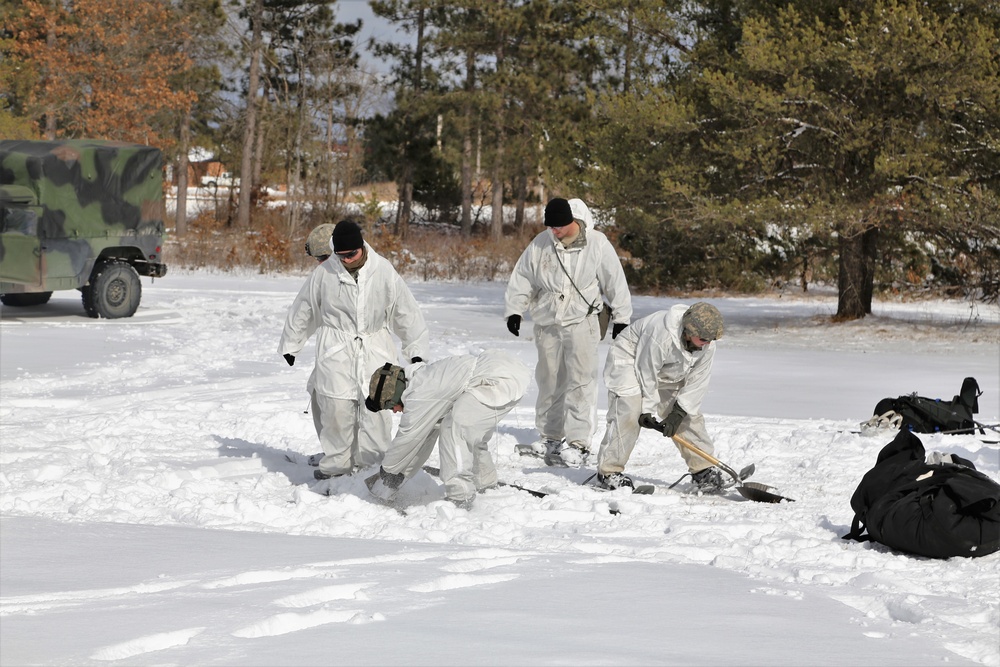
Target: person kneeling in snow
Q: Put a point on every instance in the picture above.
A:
(456, 402)
(661, 364)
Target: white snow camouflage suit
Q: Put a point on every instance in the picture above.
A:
(648, 369)
(456, 402)
(353, 322)
(566, 330)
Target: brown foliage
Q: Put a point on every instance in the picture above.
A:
(211, 242)
(439, 253)
(104, 66)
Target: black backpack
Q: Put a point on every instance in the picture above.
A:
(931, 415)
(937, 510)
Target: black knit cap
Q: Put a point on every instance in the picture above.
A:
(347, 236)
(558, 213)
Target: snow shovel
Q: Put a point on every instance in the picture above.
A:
(760, 493)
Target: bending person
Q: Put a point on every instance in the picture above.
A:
(661, 365)
(455, 403)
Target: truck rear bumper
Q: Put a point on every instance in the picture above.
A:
(151, 269)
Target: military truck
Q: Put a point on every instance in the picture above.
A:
(80, 214)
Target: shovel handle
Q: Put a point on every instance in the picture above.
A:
(680, 440)
(708, 457)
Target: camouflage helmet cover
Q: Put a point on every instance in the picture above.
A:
(318, 241)
(703, 320)
(386, 388)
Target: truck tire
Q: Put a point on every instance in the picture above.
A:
(23, 300)
(114, 291)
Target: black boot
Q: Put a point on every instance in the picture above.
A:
(615, 480)
(708, 480)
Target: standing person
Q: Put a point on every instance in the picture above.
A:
(661, 364)
(353, 302)
(562, 279)
(455, 403)
(319, 247)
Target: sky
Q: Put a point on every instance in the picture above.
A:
(349, 11)
(156, 507)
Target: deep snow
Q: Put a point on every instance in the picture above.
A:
(149, 515)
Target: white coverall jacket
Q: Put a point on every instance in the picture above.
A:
(566, 328)
(353, 322)
(647, 370)
(456, 402)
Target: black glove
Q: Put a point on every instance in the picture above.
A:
(290, 359)
(673, 421)
(646, 420)
(514, 324)
(617, 328)
(415, 360)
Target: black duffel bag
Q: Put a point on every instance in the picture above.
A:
(939, 509)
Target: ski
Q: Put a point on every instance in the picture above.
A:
(537, 494)
(527, 450)
(309, 460)
(436, 472)
(639, 489)
(553, 461)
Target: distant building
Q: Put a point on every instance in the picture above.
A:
(204, 170)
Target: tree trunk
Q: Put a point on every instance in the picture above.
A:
(300, 175)
(520, 196)
(496, 220)
(261, 131)
(405, 202)
(869, 252)
(180, 215)
(467, 183)
(51, 123)
(855, 283)
(405, 184)
(249, 130)
(470, 82)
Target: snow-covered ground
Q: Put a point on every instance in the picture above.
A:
(149, 514)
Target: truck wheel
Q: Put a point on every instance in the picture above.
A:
(25, 299)
(114, 291)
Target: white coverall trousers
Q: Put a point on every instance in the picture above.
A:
(566, 375)
(348, 444)
(623, 432)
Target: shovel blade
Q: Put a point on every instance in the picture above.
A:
(760, 493)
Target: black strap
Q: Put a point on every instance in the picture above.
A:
(857, 531)
(381, 381)
(592, 306)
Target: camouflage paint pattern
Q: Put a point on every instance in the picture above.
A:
(66, 204)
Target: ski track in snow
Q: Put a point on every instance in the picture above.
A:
(195, 417)
(147, 644)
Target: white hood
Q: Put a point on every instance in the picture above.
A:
(581, 212)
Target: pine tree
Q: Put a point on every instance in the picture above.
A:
(857, 122)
